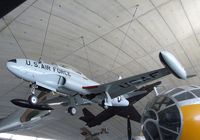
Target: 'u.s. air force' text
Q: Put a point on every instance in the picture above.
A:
(46, 67)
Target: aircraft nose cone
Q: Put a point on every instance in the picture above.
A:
(13, 60)
(11, 64)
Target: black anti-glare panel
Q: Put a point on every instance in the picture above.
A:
(8, 5)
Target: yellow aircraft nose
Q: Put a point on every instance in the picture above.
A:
(191, 122)
(174, 115)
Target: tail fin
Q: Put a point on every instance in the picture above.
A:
(88, 116)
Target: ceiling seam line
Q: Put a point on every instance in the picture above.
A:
(161, 46)
(95, 64)
(117, 28)
(91, 11)
(70, 40)
(99, 37)
(19, 46)
(195, 35)
(124, 38)
(19, 15)
(109, 31)
(136, 19)
(51, 15)
(105, 55)
(170, 31)
(8, 26)
(133, 59)
(176, 39)
(12, 89)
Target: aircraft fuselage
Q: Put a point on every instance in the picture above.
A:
(50, 76)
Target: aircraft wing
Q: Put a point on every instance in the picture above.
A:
(126, 85)
(123, 86)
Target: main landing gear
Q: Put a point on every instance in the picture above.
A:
(32, 99)
(73, 102)
(72, 111)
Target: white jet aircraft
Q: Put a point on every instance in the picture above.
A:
(66, 81)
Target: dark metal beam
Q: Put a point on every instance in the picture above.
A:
(8, 5)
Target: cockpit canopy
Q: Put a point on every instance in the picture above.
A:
(162, 118)
(69, 67)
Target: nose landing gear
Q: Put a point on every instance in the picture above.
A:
(32, 99)
(73, 102)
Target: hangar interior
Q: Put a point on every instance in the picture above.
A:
(102, 39)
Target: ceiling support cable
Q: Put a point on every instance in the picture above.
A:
(195, 34)
(101, 37)
(87, 56)
(46, 31)
(124, 38)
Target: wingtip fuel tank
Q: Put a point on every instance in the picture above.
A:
(172, 64)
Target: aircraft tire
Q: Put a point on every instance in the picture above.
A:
(72, 110)
(32, 99)
(103, 105)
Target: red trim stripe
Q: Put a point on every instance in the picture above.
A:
(89, 87)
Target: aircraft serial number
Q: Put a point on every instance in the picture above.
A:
(140, 80)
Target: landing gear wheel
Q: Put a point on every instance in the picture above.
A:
(103, 105)
(33, 99)
(72, 110)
